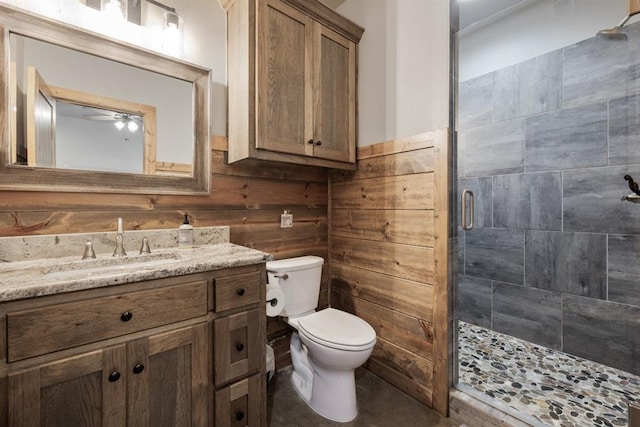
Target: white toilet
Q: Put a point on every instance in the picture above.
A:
(329, 344)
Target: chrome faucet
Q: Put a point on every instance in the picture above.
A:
(119, 251)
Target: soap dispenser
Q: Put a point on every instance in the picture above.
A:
(185, 234)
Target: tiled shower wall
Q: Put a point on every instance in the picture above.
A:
(554, 257)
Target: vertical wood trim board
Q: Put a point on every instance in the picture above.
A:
(389, 257)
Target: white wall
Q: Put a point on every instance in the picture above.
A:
(403, 67)
(541, 27)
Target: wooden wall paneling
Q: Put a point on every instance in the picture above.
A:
(406, 163)
(405, 296)
(412, 227)
(404, 261)
(442, 310)
(397, 192)
(399, 145)
(409, 364)
(410, 333)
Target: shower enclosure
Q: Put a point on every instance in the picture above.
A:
(548, 284)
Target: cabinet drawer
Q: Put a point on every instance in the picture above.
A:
(238, 345)
(238, 290)
(66, 325)
(240, 404)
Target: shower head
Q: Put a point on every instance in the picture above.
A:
(614, 33)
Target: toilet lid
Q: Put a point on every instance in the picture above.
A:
(338, 329)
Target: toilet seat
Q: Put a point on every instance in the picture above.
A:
(337, 329)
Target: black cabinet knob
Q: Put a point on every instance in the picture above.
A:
(239, 416)
(114, 376)
(239, 346)
(138, 368)
(318, 142)
(310, 141)
(126, 316)
(240, 292)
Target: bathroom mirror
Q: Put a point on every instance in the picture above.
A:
(81, 112)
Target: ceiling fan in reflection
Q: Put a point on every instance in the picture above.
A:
(121, 120)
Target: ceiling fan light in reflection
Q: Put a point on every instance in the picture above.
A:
(132, 125)
(119, 124)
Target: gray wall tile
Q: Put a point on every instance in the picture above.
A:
(572, 263)
(596, 69)
(495, 254)
(528, 201)
(606, 332)
(493, 149)
(567, 139)
(527, 313)
(624, 269)
(474, 300)
(624, 130)
(482, 194)
(591, 201)
(530, 87)
(477, 108)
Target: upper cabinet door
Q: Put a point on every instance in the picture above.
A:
(335, 95)
(284, 118)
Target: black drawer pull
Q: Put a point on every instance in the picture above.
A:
(239, 346)
(138, 368)
(126, 316)
(114, 376)
(310, 141)
(240, 292)
(318, 142)
(239, 416)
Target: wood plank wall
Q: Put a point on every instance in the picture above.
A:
(248, 196)
(389, 259)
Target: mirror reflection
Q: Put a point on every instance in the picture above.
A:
(73, 110)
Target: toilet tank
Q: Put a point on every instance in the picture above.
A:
(299, 279)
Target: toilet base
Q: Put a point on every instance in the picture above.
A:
(333, 394)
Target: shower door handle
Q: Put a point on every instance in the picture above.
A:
(467, 223)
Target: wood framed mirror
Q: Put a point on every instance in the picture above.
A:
(31, 131)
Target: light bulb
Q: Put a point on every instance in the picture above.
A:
(119, 124)
(132, 126)
(172, 34)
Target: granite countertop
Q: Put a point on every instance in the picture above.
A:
(32, 278)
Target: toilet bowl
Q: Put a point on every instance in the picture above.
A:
(328, 345)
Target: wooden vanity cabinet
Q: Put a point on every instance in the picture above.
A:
(239, 330)
(292, 82)
(151, 360)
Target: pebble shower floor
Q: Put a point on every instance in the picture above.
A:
(541, 386)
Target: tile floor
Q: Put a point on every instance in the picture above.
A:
(541, 386)
(379, 405)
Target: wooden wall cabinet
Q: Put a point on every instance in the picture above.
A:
(292, 68)
(138, 368)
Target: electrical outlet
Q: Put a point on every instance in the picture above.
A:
(286, 220)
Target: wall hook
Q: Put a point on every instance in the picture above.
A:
(633, 186)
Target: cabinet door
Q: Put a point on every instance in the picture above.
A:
(84, 391)
(284, 111)
(239, 346)
(335, 93)
(168, 377)
(241, 404)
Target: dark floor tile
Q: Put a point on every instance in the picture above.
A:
(527, 313)
(474, 300)
(624, 269)
(532, 201)
(379, 405)
(574, 263)
(567, 139)
(496, 254)
(606, 332)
